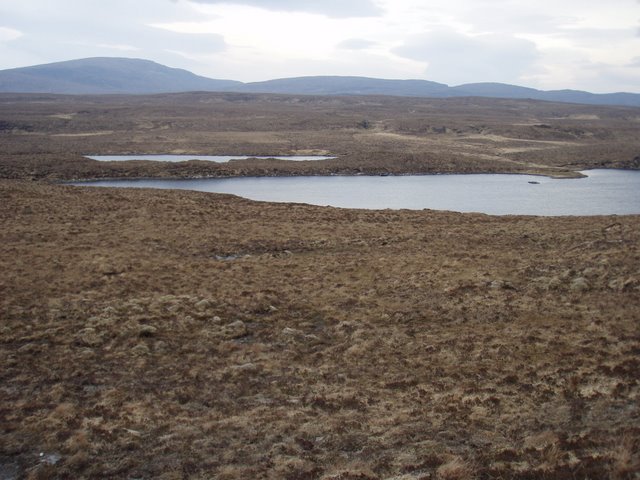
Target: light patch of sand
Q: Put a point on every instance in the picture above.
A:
(519, 149)
(84, 134)
(396, 136)
(577, 116)
(585, 116)
(63, 116)
(311, 152)
(499, 138)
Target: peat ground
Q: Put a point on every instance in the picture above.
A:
(46, 136)
(175, 334)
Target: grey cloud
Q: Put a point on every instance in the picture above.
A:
(83, 30)
(330, 8)
(599, 77)
(635, 62)
(456, 58)
(500, 18)
(596, 36)
(187, 42)
(146, 42)
(356, 44)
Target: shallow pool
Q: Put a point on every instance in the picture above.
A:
(602, 192)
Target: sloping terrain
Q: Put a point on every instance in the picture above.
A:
(173, 334)
(165, 334)
(46, 136)
(106, 75)
(137, 76)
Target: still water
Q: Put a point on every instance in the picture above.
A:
(602, 192)
(208, 158)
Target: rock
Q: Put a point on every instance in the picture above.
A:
(236, 329)
(245, 368)
(140, 350)
(147, 330)
(88, 337)
(31, 348)
(579, 284)
(216, 319)
(621, 284)
(541, 440)
(554, 283)
(50, 458)
(590, 272)
(109, 269)
(202, 305)
(501, 284)
(549, 283)
(292, 332)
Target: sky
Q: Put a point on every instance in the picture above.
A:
(589, 45)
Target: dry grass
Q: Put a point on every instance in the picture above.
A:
(455, 469)
(404, 135)
(382, 345)
(336, 344)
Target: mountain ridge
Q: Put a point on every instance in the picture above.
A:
(105, 75)
(116, 75)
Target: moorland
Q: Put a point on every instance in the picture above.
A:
(177, 334)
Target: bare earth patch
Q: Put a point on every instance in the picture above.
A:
(83, 134)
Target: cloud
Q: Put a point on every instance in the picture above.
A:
(595, 37)
(635, 62)
(599, 76)
(330, 8)
(82, 29)
(356, 44)
(509, 19)
(8, 34)
(144, 42)
(343, 62)
(456, 58)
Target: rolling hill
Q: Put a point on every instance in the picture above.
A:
(104, 75)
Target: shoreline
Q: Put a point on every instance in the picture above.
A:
(174, 333)
(126, 333)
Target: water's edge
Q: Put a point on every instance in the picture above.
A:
(600, 192)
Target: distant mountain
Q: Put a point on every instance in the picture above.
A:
(106, 75)
(326, 85)
(136, 76)
(333, 85)
(502, 90)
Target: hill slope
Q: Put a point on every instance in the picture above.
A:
(135, 76)
(332, 85)
(106, 75)
(336, 85)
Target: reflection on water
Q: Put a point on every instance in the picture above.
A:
(602, 192)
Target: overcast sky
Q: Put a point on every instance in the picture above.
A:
(549, 44)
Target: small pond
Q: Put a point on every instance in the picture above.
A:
(602, 192)
(208, 158)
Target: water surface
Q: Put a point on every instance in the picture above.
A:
(602, 192)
